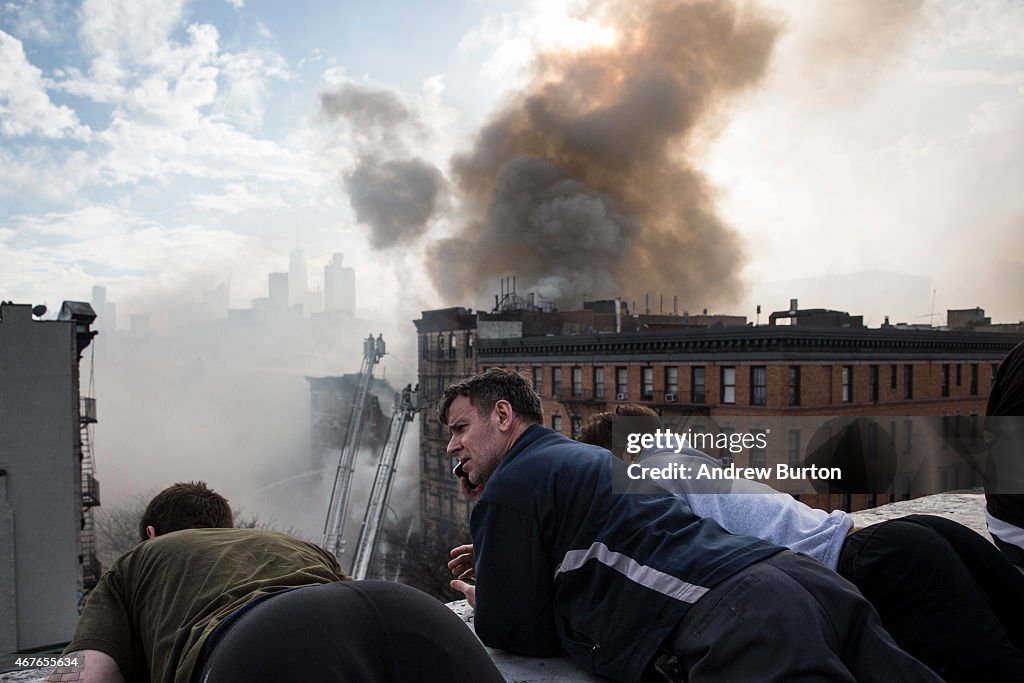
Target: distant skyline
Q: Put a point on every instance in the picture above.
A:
(162, 148)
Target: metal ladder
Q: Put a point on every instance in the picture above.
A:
(334, 525)
(406, 405)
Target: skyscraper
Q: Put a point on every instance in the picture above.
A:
(339, 285)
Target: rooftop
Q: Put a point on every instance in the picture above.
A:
(966, 507)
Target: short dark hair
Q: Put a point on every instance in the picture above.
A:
(597, 430)
(186, 505)
(487, 388)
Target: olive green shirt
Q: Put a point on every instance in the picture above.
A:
(154, 608)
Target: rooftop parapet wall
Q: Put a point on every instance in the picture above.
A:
(966, 507)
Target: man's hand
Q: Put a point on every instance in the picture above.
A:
(461, 566)
(466, 589)
(471, 492)
(462, 569)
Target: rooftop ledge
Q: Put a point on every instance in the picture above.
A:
(966, 507)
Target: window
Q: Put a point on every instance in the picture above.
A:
(908, 381)
(577, 382)
(945, 379)
(647, 390)
(758, 385)
(974, 379)
(672, 380)
(598, 382)
(892, 378)
(959, 373)
(757, 452)
(556, 381)
(847, 383)
(794, 385)
(794, 448)
(440, 344)
(621, 386)
(724, 454)
(469, 344)
(556, 422)
(697, 385)
(873, 382)
(729, 385)
(538, 380)
(424, 347)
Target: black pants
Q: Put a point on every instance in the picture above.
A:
(785, 619)
(352, 631)
(946, 595)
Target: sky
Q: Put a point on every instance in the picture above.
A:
(858, 155)
(160, 148)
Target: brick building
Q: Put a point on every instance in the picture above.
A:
(820, 366)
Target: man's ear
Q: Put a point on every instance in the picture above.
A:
(150, 532)
(504, 411)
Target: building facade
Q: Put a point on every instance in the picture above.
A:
(802, 380)
(47, 488)
(447, 353)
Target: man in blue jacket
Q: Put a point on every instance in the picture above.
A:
(635, 586)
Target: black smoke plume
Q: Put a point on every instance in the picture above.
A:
(395, 198)
(583, 184)
(391, 192)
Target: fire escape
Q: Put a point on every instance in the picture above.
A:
(91, 569)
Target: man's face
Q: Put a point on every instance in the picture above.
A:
(476, 440)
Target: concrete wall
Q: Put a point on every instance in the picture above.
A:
(8, 594)
(39, 451)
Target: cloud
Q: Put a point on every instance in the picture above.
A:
(119, 34)
(25, 106)
(39, 172)
(245, 77)
(69, 251)
(239, 197)
(43, 21)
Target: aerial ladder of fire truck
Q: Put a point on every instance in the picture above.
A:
(337, 509)
(406, 405)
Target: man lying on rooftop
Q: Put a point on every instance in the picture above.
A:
(945, 594)
(198, 601)
(635, 586)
